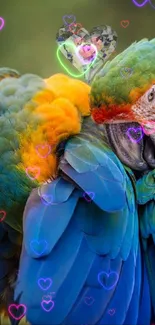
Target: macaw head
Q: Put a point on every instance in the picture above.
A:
(123, 99)
(124, 91)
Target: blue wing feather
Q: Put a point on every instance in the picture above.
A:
(144, 315)
(83, 240)
(133, 310)
(121, 298)
(91, 314)
(105, 178)
(38, 225)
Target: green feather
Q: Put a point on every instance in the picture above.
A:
(109, 82)
(15, 186)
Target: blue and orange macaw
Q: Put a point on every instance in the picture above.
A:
(89, 222)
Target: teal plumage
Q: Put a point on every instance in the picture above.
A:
(15, 186)
(14, 94)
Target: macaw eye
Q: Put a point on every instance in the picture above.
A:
(151, 95)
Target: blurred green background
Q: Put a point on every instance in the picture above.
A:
(27, 42)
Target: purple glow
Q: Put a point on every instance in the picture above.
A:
(111, 312)
(46, 199)
(135, 130)
(47, 305)
(89, 196)
(69, 19)
(89, 300)
(140, 5)
(45, 283)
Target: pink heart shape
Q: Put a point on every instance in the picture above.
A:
(13, 308)
(44, 304)
(43, 147)
(89, 300)
(151, 130)
(2, 22)
(33, 170)
(111, 312)
(84, 58)
(125, 23)
(2, 215)
(72, 28)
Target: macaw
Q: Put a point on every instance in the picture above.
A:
(24, 131)
(88, 224)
